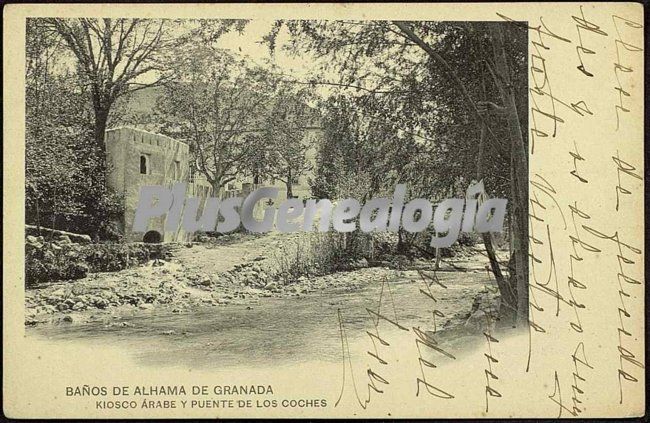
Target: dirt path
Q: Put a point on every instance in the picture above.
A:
(215, 258)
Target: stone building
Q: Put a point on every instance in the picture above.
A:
(140, 104)
(137, 158)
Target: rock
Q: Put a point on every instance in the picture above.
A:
(168, 332)
(146, 306)
(48, 309)
(64, 240)
(119, 324)
(67, 319)
(78, 238)
(58, 293)
(62, 306)
(206, 281)
(78, 289)
(79, 306)
(101, 303)
(271, 285)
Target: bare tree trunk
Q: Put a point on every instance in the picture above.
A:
(101, 120)
(38, 215)
(289, 190)
(289, 185)
(519, 163)
(508, 300)
(216, 188)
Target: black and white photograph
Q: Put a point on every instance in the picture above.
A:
(318, 110)
(323, 210)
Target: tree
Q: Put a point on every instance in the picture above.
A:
(447, 83)
(502, 79)
(218, 106)
(77, 70)
(62, 185)
(115, 57)
(285, 136)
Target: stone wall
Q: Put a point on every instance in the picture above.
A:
(55, 258)
(166, 161)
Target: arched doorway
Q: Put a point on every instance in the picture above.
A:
(152, 237)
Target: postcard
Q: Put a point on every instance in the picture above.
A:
(327, 210)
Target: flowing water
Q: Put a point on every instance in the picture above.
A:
(274, 330)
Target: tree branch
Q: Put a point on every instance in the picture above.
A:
(404, 27)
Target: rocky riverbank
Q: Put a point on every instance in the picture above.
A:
(237, 271)
(171, 285)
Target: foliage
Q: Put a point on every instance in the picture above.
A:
(216, 106)
(64, 181)
(51, 261)
(319, 254)
(450, 96)
(408, 105)
(76, 71)
(283, 138)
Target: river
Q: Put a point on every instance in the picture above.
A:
(279, 330)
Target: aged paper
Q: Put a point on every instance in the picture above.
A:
(181, 325)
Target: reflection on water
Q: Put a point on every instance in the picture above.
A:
(278, 331)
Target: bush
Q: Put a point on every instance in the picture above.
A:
(320, 254)
(50, 261)
(114, 257)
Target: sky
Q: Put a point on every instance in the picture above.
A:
(248, 44)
